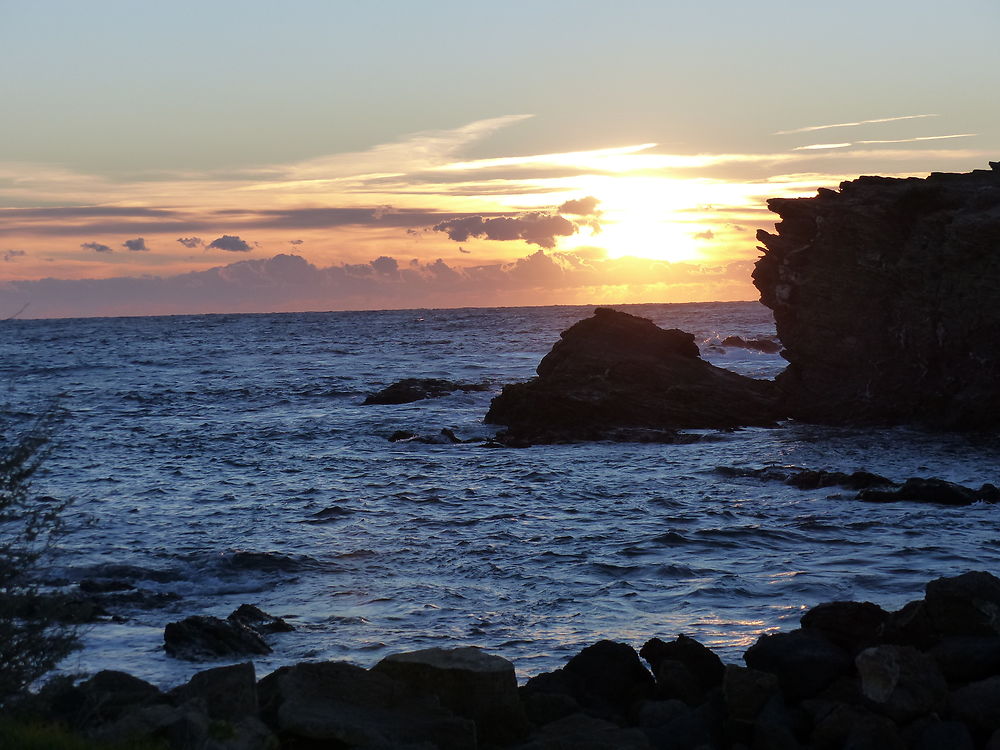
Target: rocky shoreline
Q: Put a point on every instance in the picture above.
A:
(851, 676)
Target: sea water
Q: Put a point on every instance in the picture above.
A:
(216, 460)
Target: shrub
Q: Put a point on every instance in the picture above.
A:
(33, 639)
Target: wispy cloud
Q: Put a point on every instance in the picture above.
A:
(821, 146)
(924, 138)
(812, 128)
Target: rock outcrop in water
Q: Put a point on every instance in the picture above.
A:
(852, 675)
(618, 376)
(885, 299)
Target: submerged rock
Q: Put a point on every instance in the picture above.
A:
(768, 346)
(884, 299)
(615, 372)
(408, 390)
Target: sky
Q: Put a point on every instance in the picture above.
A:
(222, 156)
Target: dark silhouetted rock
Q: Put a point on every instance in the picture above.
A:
(850, 625)
(978, 705)
(901, 682)
(966, 658)
(929, 491)
(110, 694)
(609, 678)
(581, 732)
(747, 691)
(934, 734)
(845, 726)
(809, 479)
(470, 682)
(229, 693)
(968, 604)
(409, 390)
(202, 637)
(342, 705)
(606, 680)
(804, 662)
(616, 372)
(884, 300)
(761, 345)
(910, 626)
(683, 668)
(444, 437)
(257, 619)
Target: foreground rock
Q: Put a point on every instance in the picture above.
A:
(614, 373)
(884, 300)
(408, 390)
(851, 676)
(469, 682)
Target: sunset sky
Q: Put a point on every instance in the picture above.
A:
(249, 156)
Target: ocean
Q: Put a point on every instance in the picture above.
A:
(215, 460)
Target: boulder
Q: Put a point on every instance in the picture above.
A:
(581, 732)
(614, 373)
(967, 658)
(803, 661)
(978, 705)
(884, 300)
(842, 726)
(203, 637)
(747, 691)
(850, 625)
(609, 679)
(901, 682)
(335, 702)
(259, 620)
(967, 604)
(683, 668)
(229, 693)
(469, 682)
(934, 734)
(110, 694)
(605, 680)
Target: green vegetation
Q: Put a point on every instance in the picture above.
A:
(33, 636)
(18, 735)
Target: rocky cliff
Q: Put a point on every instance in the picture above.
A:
(886, 297)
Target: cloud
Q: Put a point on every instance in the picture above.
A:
(190, 242)
(97, 247)
(230, 242)
(385, 265)
(811, 128)
(288, 282)
(136, 245)
(295, 242)
(924, 138)
(534, 228)
(892, 140)
(821, 146)
(9, 255)
(580, 207)
(706, 235)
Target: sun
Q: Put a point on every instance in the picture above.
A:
(644, 217)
